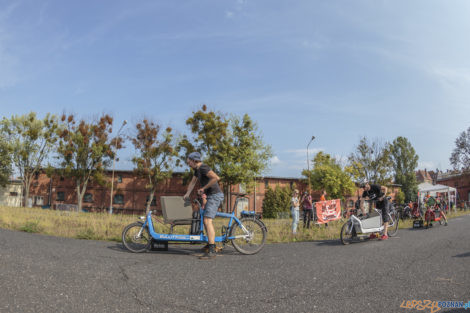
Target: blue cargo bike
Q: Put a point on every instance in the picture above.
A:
(247, 233)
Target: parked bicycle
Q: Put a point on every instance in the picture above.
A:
(247, 233)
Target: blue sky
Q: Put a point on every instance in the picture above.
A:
(338, 70)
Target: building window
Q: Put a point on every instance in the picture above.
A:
(266, 184)
(14, 194)
(291, 184)
(154, 201)
(60, 196)
(36, 175)
(88, 197)
(62, 178)
(118, 199)
(119, 178)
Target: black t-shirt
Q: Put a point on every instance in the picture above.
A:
(373, 193)
(201, 174)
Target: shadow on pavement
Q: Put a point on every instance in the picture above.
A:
(463, 255)
(329, 242)
(181, 249)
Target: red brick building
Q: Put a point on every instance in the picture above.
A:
(460, 181)
(130, 194)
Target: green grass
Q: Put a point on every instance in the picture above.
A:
(102, 226)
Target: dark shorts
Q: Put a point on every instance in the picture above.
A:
(384, 206)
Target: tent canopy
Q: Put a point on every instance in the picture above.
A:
(433, 189)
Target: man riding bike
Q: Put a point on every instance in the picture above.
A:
(378, 193)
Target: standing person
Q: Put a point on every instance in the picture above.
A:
(294, 208)
(209, 186)
(378, 193)
(307, 206)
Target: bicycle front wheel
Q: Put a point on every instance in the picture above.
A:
(392, 231)
(136, 238)
(250, 235)
(346, 236)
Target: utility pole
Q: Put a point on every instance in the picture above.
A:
(308, 163)
(114, 162)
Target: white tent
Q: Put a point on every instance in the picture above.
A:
(426, 188)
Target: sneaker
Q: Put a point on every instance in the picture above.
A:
(373, 236)
(445, 224)
(205, 249)
(384, 237)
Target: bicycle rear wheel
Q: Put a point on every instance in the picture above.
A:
(134, 241)
(251, 239)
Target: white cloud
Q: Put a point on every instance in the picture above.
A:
(275, 160)
(229, 14)
(452, 76)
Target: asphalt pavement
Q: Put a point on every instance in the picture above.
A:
(48, 274)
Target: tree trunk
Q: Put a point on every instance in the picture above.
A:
(27, 186)
(79, 198)
(229, 198)
(80, 194)
(147, 209)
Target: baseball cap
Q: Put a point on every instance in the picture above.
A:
(195, 156)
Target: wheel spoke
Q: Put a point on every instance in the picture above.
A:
(250, 238)
(135, 238)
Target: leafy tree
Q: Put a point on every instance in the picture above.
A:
(85, 150)
(231, 146)
(155, 154)
(30, 140)
(243, 156)
(327, 174)
(404, 162)
(5, 162)
(210, 130)
(276, 201)
(370, 161)
(460, 157)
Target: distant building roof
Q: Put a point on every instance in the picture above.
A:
(423, 176)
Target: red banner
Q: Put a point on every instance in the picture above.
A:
(328, 211)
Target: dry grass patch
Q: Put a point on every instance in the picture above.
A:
(102, 226)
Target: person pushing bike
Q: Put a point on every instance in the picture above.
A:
(378, 193)
(210, 187)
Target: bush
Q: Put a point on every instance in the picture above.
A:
(277, 202)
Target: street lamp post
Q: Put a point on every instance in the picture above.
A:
(114, 162)
(308, 162)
